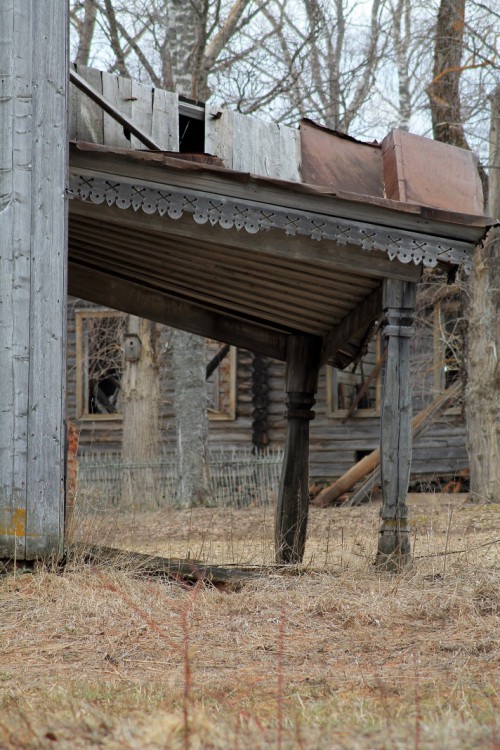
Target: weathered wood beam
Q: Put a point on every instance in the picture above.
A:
(33, 211)
(302, 366)
(396, 426)
(354, 324)
(140, 299)
(145, 565)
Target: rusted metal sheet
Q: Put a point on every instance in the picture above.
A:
(426, 172)
(340, 162)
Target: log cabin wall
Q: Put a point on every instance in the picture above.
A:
(104, 433)
(335, 446)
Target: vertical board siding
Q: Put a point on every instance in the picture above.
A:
(33, 115)
(87, 122)
(165, 120)
(153, 110)
(46, 434)
(243, 143)
(118, 92)
(246, 144)
(14, 281)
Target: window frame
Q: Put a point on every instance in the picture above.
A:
(334, 412)
(229, 414)
(81, 410)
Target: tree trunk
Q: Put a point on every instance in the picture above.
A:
(86, 33)
(444, 91)
(141, 408)
(189, 372)
(483, 350)
(482, 394)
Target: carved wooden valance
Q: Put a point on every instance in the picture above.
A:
(403, 245)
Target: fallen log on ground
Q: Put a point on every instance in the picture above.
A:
(371, 464)
(182, 571)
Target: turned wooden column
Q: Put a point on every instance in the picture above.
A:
(396, 430)
(302, 365)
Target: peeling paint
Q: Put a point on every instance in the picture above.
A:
(13, 523)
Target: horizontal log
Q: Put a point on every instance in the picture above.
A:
(189, 571)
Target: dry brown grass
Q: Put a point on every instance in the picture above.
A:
(336, 657)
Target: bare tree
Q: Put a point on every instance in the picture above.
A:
(483, 340)
(483, 346)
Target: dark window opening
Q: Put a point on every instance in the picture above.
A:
(104, 392)
(361, 454)
(356, 390)
(191, 127)
(99, 363)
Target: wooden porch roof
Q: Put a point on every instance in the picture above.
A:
(243, 259)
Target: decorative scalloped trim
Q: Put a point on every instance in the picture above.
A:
(406, 246)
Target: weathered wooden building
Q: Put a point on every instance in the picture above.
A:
(294, 245)
(248, 390)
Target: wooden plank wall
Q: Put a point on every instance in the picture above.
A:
(243, 143)
(153, 110)
(33, 167)
(247, 144)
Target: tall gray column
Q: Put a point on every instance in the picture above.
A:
(33, 167)
(396, 428)
(302, 366)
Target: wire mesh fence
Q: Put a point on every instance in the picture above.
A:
(238, 478)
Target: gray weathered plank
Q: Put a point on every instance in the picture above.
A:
(89, 115)
(142, 110)
(118, 92)
(250, 145)
(33, 122)
(165, 124)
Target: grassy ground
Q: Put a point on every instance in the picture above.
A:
(337, 656)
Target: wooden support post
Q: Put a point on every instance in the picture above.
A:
(302, 365)
(33, 172)
(396, 428)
